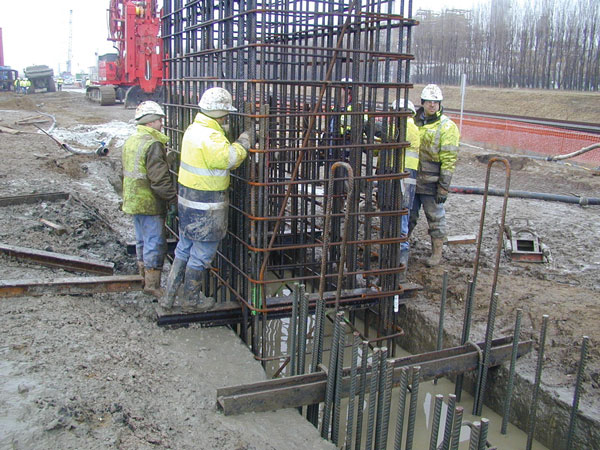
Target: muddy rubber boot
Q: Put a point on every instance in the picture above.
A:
(403, 260)
(436, 252)
(152, 283)
(140, 266)
(173, 282)
(194, 300)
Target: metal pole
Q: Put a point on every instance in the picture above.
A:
(389, 376)
(337, 399)
(449, 422)
(511, 374)
(458, 415)
(412, 412)
(292, 333)
(485, 423)
(536, 387)
(373, 390)
(381, 393)
(329, 390)
(463, 88)
(361, 392)
(401, 408)
(353, 383)
(435, 424)
(485, 364)
(302, 329)
(475, 433)
(580, 371)
(465, 333)
(440, 335)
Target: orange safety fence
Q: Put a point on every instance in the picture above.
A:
(543, 139)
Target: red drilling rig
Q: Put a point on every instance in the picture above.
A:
(135, 73)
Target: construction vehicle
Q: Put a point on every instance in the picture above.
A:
(134, 73)
(7, 75)
(41, 77)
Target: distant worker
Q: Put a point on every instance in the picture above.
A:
(207, 156)
(27, 88)
(437, 157)
(147, 191)
(17, 85)
(59, 83)
(88, 82)
(411, 165)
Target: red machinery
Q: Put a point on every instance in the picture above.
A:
(134, 74)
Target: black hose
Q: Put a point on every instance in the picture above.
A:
(583, 201)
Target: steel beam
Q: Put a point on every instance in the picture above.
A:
(59, 260)
(231, 313)
(33, 198)
(70, 286)
(310, 389)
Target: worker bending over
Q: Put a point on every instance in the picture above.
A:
(437, 161)
(147, 191)
(207, 156)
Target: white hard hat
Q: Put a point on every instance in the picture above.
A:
(432, 92)
(148, 111)
(408, 104)
(346, 80)
(216, 102)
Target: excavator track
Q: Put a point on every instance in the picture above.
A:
(105, 95)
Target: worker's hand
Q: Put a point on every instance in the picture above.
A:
(442, 194)
(244, 140)
(171, 215)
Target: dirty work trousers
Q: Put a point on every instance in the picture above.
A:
(435, 213)
(150, 241)
(198, 254)
(408, 195)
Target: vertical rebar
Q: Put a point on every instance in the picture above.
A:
(302, 329)
(458, 415)
(373, 390)
(312, 411)
(536, 387)
(387, 403)
(361, 393)
(337, 396)
(380, 394)
(440, 335)
(580, 371)
(292, 333)
(412, 411)
(435, 423)
(353, 386)
(511, 373)
(483, 433)
(401, 407)
(466, 331)
(475, 433)
(485, 364)
(449, 421)
(329, 390)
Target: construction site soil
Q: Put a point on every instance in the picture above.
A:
(94, 371)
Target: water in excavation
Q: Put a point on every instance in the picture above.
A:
(277, 344)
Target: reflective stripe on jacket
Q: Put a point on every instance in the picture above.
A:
(207, 156)
(138, 197)
(438, 152)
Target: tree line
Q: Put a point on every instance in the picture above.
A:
(543, 44)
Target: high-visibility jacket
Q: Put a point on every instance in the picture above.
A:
(138, 195)
(438, 152)
(411, 153)
(207, 156)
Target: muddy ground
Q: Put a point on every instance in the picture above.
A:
(93, 371)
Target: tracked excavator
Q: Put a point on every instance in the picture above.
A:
(133, 74)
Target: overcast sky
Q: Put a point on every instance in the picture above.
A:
(37, 31)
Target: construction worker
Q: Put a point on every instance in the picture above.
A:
(147, 190)
(207, 156)
(437, 160)
(59, 83)
(411, 165)
(17, 85)
(25, 84)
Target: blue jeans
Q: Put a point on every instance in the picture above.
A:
(150, 241)
(198, 254)
(435, 213)
(408, 195)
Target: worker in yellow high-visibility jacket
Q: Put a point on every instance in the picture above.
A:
(437, 156)
(207, 156)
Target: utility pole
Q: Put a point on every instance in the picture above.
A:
(70, 50)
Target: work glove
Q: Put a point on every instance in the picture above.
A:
(171, 215)
(442, 194)
(244, 140)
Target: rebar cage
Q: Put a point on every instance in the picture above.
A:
(315, 82)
